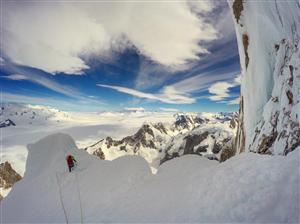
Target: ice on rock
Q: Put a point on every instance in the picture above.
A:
(268, 34)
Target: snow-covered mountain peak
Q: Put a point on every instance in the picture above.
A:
(187, 121)
(190, 133)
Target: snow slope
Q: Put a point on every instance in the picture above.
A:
(268, 34)
(247, 188)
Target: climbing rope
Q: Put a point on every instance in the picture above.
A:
(78, 192)
(61, 199)
(79, 195)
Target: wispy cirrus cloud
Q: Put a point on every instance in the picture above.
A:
(50, 101)
(203, 81)
(171, 110)
(47, 82)
(181, 92)
(134, 109)
(50, 83)
(16, 77)
(167, 95)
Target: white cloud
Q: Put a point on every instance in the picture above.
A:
(167, 95)
(234, 101)
(18, 98)
(169, 109)
(1, 61)
(220, 90)
(180, 92)
(54, 35)
(51, 84)
(201, 6)
(46, 82)
(238, 79)
(134, 108)
(223, 48)
(202, 81)
(16, 77)
(50, 101)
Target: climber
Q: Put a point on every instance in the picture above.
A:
(70, 160)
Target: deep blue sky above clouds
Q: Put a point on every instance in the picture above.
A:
(95, 56)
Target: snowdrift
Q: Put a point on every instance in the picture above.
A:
(246, 188)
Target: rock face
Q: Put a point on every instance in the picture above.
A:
(8, 176)
(187, 122)
(268, 34)
(146, 142)
(203, 141)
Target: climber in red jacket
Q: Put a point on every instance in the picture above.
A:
(70, 160)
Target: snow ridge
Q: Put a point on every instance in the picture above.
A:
(246, 188)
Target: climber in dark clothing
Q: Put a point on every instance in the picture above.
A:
(70, 160)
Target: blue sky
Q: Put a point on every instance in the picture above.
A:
(100, 56)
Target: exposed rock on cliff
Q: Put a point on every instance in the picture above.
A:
(8, 176)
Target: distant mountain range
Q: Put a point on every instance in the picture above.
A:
(210, 135)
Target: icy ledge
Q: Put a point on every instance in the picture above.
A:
(247, 188)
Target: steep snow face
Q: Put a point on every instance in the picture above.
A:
(246, 188)
(268, 34)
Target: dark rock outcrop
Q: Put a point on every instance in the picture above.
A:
(144, 137)
(185, 136)
(202, 143)
(187, 122)
(8, 176)
(7, 123)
